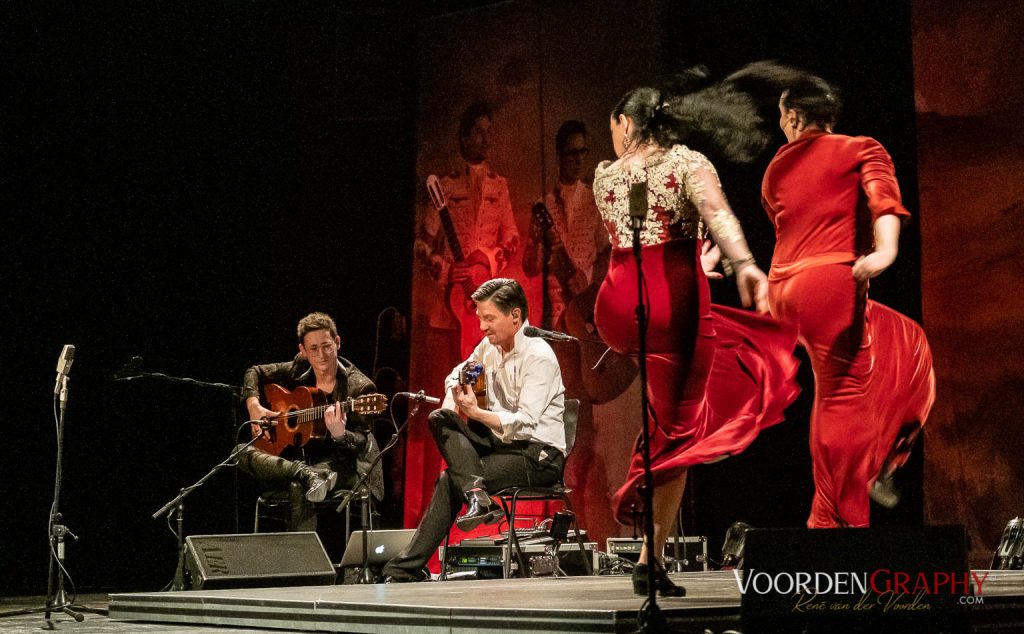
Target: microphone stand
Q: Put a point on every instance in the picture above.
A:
(178, 504)
(651, 619)
(132, 372)
(58, 600)
(366, 575)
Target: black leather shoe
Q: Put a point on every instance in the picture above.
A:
(480, 509)
(317, 484)
(664, 585)
(408, 578)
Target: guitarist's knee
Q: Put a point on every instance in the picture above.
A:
(441, 419)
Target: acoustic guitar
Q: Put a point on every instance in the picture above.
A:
(301, 416)
(472, 374)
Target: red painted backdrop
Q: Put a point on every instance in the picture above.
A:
(969, 87)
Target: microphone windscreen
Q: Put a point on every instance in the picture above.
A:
(638, 200)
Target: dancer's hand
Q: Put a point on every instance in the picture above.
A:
(710, 255)
(753, 286)
(872, 264)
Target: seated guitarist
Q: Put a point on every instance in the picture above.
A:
(320, 464)
(516, 439)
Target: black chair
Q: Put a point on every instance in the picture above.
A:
(509, 497)
(294, 512)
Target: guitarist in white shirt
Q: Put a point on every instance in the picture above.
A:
(517, 438)
(320, 464)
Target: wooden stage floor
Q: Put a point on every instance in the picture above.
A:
(535, 606)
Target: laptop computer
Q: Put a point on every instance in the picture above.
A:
(383, 545)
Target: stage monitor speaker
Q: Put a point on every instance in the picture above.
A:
(897, 579)
(257, 560)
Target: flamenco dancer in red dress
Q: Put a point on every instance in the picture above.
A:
(837, 212)
(717, 376)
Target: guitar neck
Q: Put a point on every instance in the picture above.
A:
(450, 235)
(317, 412)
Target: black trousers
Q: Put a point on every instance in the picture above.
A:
(475, 460)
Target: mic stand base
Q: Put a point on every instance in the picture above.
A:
(57, 601)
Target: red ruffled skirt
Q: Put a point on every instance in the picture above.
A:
(872, 377)
(716, 376)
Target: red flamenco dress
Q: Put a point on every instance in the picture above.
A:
(716, 376)
(873, 378)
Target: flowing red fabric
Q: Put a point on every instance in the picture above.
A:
(716, 376)
(872, 365)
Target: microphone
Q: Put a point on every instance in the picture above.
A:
(638, 202)
(420, 396)
(549, 335)
(67, 356)
(130, 370)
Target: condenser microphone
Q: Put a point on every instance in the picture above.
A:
(638, 202)
(420, 396)
(67, 356)
(549, 335)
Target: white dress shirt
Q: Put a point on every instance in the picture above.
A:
(524, 388)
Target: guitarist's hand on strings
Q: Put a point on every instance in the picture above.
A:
(465, 400)
(335, 420)
(257, 412)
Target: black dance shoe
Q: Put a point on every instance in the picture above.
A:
(884, 492)
(664, 585)
(480, 509)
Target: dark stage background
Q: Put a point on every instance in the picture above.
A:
(185, 181)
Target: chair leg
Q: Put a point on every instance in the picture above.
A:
(579, 535)
(513, 541)
(506, 564)
(256, 519)
(444, 558)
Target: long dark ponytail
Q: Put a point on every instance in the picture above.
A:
(722, 119)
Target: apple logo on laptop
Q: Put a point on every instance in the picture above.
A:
(379, 549)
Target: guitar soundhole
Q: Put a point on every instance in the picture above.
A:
(292, 423)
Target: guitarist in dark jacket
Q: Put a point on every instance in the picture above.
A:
(348, 449)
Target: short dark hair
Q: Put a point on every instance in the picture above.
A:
(566, 130)
(316, 321)
(469, 116)
(505, 292)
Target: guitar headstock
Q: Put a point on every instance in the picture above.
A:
(436, 192)
(541, 216)
(370, 404)
(471, 371)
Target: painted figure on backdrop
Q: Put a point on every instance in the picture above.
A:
(836, 207)
(567, 237)
(513, 436)
(339, 453)
(469, 234)
(717, 376)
